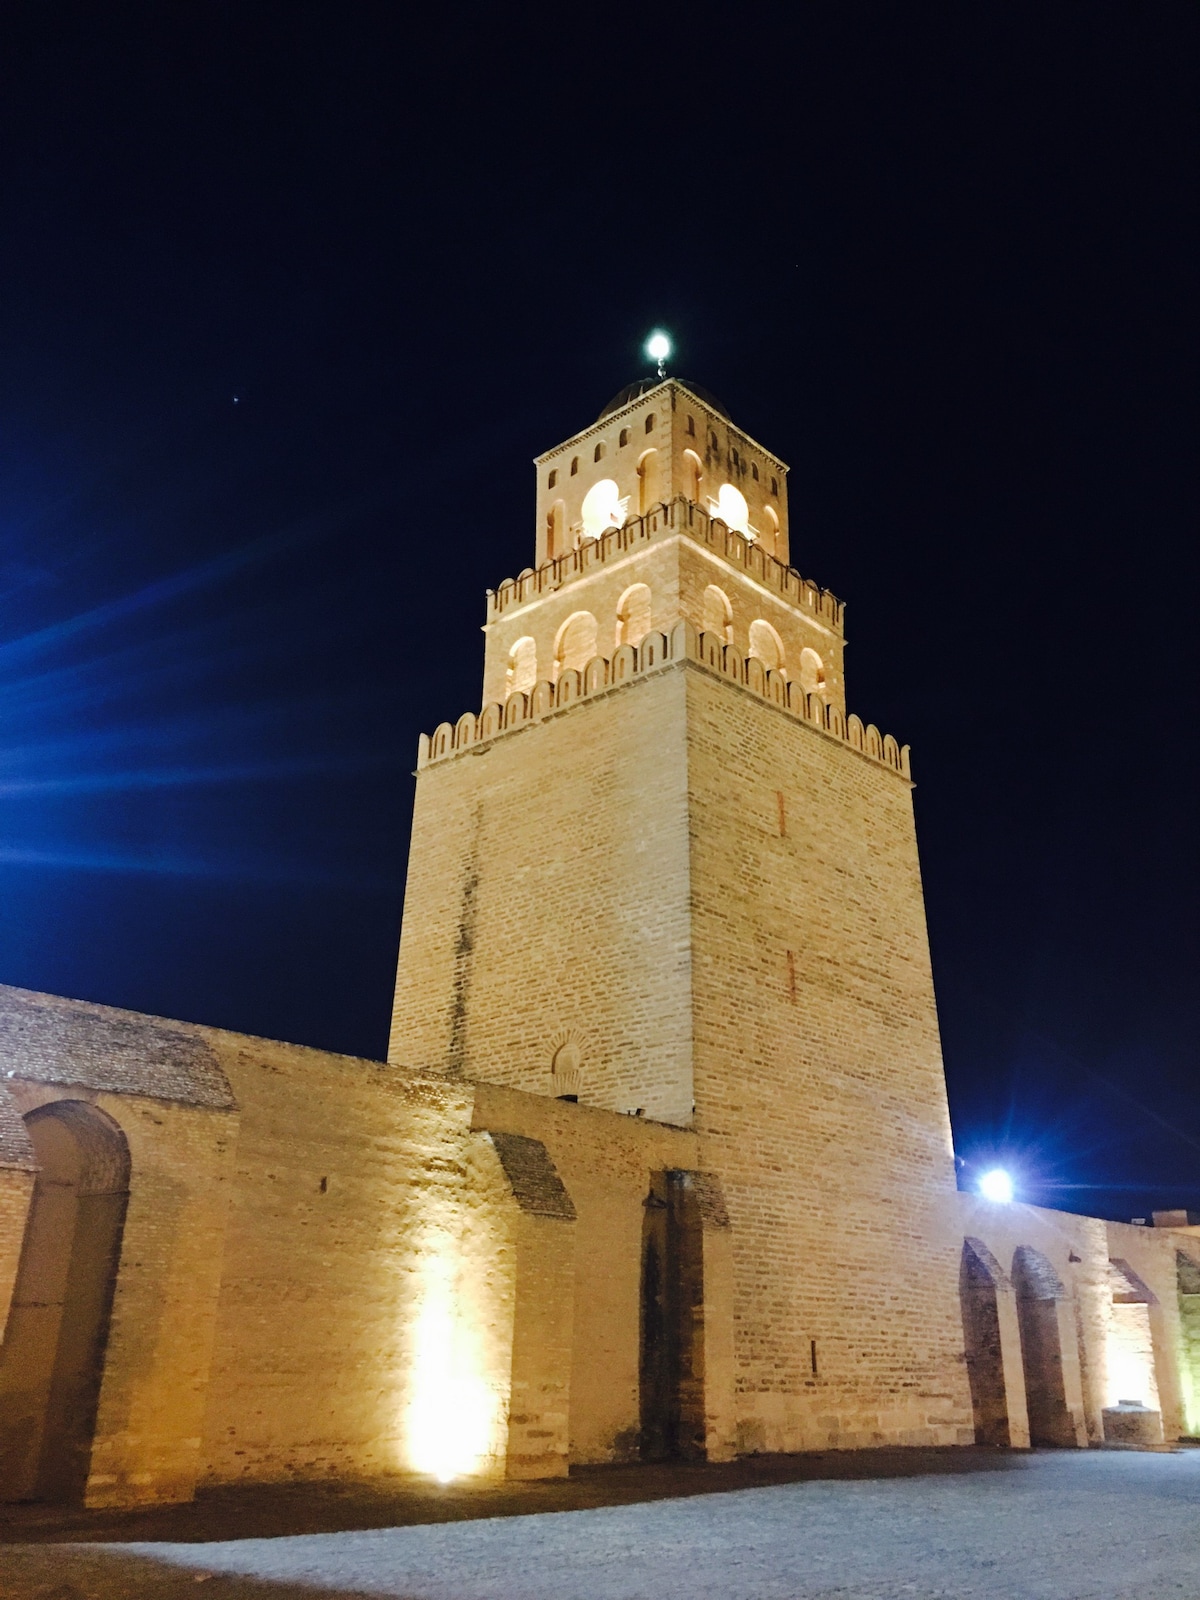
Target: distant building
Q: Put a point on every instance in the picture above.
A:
(661, 1161)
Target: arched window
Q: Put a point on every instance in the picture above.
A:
(603, 508)
(647, 472)
(574, 465)
(775, 486)
(754, 470)
(598, 452)
(633, 615)
(767, 646)
(522, 668)
(732, 508)
(576, 643)
(771, 530)
(58, 1322)
(624, 439)
(650, 423)
(812, 673)
(555, 519)
(691, 426)
(693, 474)
(718, 614)
(553, 479)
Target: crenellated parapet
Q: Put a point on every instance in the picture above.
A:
(679, 516)
(659, 652)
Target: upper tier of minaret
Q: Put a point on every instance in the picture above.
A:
(661, 512)
(656, 440)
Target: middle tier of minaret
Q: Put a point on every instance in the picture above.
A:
(676, 563)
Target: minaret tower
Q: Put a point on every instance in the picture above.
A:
(664, 873)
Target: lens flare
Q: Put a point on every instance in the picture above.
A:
(996, 1185)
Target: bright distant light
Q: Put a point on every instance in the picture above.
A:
(658, 346)
(996, 1185)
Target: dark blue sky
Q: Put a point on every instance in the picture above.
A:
(291, 294)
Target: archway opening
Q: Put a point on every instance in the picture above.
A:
(717, 616)
(1188, 1279)
(647, 476)
(555, 518)
(1129, 1346)
(576, 643)
(979, 1275)
(521, 674)
(52, 1359)
(1038, 1292)
(771, 530)
(693, 475)
(633, 614)
(767, 646)
(812, 673)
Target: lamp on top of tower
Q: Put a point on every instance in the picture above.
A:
(658, 348)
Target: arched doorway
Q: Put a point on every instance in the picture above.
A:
(1038, 1291)
(978, 1279)
(52, 1358)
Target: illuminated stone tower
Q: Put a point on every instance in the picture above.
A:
(664, 873)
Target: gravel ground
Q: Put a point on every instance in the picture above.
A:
(1057, 1526)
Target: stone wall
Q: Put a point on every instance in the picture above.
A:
(547, 906)
(819, 1088)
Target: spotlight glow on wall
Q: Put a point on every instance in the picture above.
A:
(453, 1414)
(996, 1185)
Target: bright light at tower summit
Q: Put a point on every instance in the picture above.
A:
(658, 347)
(996, 1185)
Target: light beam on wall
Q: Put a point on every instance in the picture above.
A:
(453, 1411)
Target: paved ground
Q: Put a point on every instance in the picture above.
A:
(1051, 1526)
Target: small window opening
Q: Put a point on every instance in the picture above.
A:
(754, 470)
(650, 423)
(624, 439)
(574, 465)
(553, 479)
(691, 421)
(774, 485)
(598, 452)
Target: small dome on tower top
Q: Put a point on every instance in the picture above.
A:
(632, 391)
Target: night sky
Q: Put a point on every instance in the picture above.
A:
(290, 296)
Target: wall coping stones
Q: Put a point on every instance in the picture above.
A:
(45, 1038)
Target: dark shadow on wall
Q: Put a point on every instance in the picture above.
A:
(1038, 1291)
(979, 1275)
